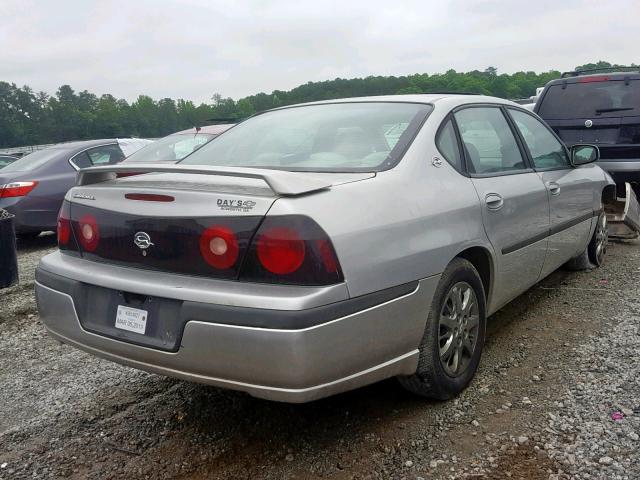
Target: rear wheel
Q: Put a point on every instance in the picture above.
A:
(454, 335)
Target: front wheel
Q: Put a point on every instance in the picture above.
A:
(598, 245)
(454, 335)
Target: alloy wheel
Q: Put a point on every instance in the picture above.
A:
(602, 237)
(458, 328)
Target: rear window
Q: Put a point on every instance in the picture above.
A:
(171, 148)
(32, 161)
(4, 161)
(588, 99)
(335, 137)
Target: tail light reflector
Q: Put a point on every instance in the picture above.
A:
(88, 233)
(17, 189)
(219, 247)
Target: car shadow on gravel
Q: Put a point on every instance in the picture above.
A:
(30, 244)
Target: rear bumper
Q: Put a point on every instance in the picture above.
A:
(283, 364)
(28, 219)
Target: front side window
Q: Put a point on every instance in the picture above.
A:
(546, 151)
(488, 141)
(335, 137)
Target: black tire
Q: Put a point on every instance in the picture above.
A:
(597, 248)
(579, 263)
(432, 379)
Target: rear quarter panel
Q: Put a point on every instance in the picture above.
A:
(39, 209)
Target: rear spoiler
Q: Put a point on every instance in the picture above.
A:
(281, 182)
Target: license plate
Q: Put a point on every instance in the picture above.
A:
(131, 319)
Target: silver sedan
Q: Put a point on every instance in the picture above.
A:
(316, 248)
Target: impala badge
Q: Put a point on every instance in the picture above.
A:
(142, 241)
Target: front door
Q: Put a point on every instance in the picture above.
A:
(570, 190)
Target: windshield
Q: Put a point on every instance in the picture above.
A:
(32, 161)
(336, 137)
(171, 148)
(589, 99)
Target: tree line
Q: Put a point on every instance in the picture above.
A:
(29, 118)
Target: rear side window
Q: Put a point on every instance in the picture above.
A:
(590, 98)
(448, 145)
(546, 151)
(97, 156)
(488, 141)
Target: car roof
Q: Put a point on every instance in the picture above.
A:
(427, 98)
(78, 146)
(210, 129)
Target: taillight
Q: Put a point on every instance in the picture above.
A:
(17, 189)
(66, 240)
(291, 249)
(219, 247)
(64, 226)
(598, 78)
(88, 233)
(149, 197)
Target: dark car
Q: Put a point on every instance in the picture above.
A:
(6, 160)
(176, 146)
(33, 187)
(602, 109)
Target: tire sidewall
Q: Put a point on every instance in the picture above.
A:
(593, 244)
(458, 271)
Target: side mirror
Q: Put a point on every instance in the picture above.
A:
(583, 154)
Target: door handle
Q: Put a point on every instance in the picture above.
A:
(554, 188)
(494, 201)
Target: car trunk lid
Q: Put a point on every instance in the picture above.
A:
(168, 222)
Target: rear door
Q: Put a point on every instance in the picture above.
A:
(570, 190)
(514, 199)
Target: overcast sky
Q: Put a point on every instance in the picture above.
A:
(193, 48)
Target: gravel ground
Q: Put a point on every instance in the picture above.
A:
(557, 397)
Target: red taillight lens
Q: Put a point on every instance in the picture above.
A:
(64, 230)
(17, 189)
(599, 78)
(88, 233)
(219, 247)
(149, 197)
(291, 250)
(66, 240)
(280, 250)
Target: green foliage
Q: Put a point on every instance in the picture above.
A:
(28, 118)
